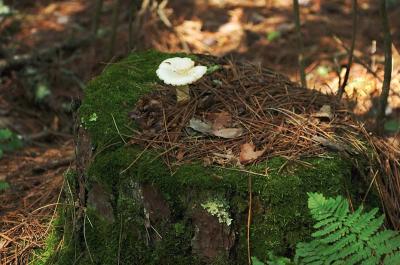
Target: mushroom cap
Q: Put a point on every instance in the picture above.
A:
(179, 71)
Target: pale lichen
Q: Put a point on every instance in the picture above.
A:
(92, 118)
(219, 209)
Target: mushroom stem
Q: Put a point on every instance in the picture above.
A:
(182, 93)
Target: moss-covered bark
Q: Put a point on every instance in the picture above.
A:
(143, 214)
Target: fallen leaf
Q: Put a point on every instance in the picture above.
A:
(395, 60)
(248, 153)
(200, 126)
(228, 133)
(324, 112)
(207, 128)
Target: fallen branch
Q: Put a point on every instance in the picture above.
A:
(20, 60)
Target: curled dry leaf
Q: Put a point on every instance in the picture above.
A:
(248, 153)
(207, 128)
(324, 112)
(200, 126)
(228, 133)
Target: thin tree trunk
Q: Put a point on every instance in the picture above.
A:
(388, 67)
(351, 51)
(114, 29)
(96, 17)
(132, 14)
(296, 12)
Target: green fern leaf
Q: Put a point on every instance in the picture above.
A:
(364, 220)
(339, 245)
(325, 222)
(312, 259)
(378, 240)
(393, 259)
(347, 238)
(358, 257)
(371, 228)
(332, 238)
(315, 200)
(327, 230)
(342, 210)
(354, 217)
(372, 260)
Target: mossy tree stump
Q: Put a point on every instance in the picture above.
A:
(142, 213)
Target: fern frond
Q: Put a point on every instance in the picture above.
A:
(347, 238)
(324, 222)
(364, 220)
(333, 249)
(351, 219)
(327, 230)
(392, 259)
(371, 228)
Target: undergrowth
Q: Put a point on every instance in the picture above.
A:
(343, 237)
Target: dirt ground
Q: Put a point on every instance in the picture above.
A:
(38, 97)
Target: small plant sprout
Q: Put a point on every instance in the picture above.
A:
(180, 72)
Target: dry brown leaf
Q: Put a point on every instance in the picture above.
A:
(395, 60)
(324, 112)
(228, 133)
(206, 128)
(248, 153)
(200, 126)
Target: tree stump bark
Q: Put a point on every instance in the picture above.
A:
(131, 209)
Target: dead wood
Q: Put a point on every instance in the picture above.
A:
(17, 61)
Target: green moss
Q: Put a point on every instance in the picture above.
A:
(44, 256)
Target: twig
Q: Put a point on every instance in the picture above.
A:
(84, 237)
(116, 127)
(296, 12)
(388, 68)
(351, 51)
(249, 221)
(243, 171)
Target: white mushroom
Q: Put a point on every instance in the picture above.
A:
(180, 72)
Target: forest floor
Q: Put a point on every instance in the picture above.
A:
(38, 97)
